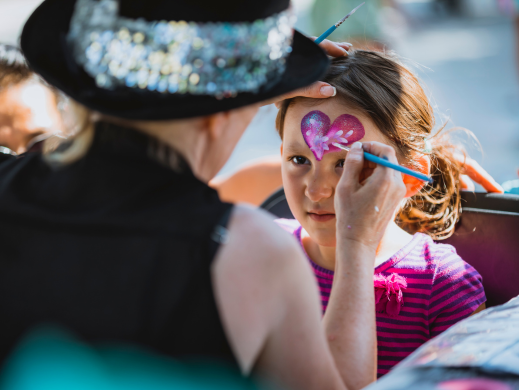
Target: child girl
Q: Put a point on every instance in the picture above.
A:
(421, 287)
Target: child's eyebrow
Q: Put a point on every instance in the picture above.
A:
(296, 147)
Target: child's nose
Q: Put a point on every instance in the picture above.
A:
(318, 188)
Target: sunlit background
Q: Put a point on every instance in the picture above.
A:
(464, 51)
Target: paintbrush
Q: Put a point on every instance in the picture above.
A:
(327, 33)
(385, 163)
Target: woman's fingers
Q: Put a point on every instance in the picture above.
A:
(385, 182)
(318, 90)
(344, 45)
(380, 150)
(364, 206)
(334, 49)
(353, 166)
(386, 152)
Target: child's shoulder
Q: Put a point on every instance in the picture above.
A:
(435, 251)
(290, 225)
(442, 258)
(423, 254)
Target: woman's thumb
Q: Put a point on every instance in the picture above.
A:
(354, 163)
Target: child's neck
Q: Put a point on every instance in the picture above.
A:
(393, 240)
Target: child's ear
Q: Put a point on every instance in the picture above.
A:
(281, 149)
(413, 184)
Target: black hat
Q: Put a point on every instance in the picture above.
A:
(169, 59)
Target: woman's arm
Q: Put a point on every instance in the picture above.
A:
(269, 305)
(363, 213)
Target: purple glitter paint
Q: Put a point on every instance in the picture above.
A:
(319, 135)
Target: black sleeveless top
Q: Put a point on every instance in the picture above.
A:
(116, 247)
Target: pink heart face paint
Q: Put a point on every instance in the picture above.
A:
(319, 135)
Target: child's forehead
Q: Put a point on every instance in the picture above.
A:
(332, 107)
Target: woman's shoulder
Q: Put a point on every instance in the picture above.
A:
(263, 251)
(434, 251)
(256, 229)
(254, 272)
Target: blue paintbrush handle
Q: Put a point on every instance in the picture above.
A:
(396, 167)
(325, 35)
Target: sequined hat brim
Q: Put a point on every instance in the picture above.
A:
(44, 42)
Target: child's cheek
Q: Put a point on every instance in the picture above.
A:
(294, 192)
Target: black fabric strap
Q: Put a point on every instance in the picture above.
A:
(220, 233)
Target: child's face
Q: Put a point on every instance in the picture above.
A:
(309, 183)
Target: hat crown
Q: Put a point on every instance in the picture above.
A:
(202, 10)
(219, 58)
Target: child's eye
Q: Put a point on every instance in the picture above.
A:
(340, 164)
(300, 160)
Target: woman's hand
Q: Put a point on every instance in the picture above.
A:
(318, 89)
(334, 49)
(365, 206)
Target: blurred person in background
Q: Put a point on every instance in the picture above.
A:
(28, 109)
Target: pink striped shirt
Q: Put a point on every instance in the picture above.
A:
(442, 289)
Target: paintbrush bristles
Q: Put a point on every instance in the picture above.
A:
(346, 148)
(347, 16)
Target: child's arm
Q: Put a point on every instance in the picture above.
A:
(251, 183)
(473, 171)
(456, 294)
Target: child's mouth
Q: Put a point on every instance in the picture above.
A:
(321, 217)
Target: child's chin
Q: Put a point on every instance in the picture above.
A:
(323, 238)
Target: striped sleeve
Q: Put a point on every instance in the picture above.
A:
(289, 225)
(457, 291)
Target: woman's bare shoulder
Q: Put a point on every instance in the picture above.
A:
(258, 247)
(258, 229)
(253, 274)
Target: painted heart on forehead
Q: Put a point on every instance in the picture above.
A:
(319, 134)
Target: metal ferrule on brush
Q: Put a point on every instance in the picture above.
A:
(347, 16)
